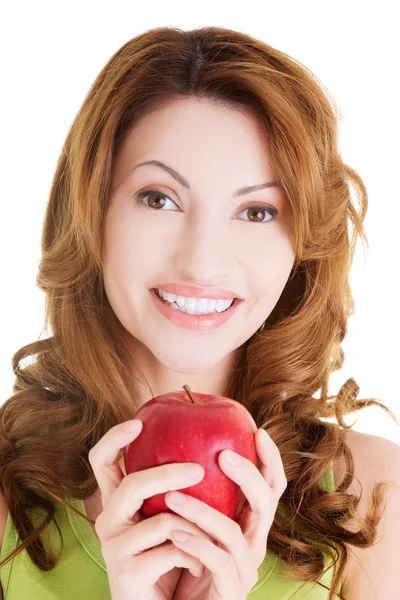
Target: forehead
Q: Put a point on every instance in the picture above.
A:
(189, 133)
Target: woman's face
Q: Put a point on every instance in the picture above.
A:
(202, 236)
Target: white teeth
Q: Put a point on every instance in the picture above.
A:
(195, 306)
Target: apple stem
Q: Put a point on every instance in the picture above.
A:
(187, 390)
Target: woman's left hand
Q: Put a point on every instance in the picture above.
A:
(231, 565)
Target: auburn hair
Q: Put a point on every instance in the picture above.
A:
(75, 384)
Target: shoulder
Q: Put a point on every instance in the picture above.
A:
(373, 456)
(373, 572)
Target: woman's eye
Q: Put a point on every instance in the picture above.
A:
(158, 203)
(260, 209)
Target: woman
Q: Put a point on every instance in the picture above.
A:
(199, 160)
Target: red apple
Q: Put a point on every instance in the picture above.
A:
(193, 427)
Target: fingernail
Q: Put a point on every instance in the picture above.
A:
(132, 425)
(180, 536)
(231, 458)
(193, 470)
(177, 498)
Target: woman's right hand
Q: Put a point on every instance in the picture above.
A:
(141, 562)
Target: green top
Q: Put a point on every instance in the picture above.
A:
(81, 571)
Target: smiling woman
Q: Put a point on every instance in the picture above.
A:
(199, 230)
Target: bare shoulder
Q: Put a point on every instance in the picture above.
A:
(373, 573)
(374, 457)
(373, 449)
(3, 517)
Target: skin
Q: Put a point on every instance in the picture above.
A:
(208, 237)
(201, 236)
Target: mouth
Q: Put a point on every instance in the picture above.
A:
(235, 301)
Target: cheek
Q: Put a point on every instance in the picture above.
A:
(131, 261)
(275, 271)
(123, 244)
(120, 262)
(282, 266)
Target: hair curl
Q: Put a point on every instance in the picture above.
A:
(78, 383)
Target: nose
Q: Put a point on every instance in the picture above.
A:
(205, 254)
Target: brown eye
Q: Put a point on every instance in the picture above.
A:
(258, 212)
(157, 200)
(154, 203)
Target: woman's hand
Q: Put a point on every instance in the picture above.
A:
(141, 560)
(231, 564)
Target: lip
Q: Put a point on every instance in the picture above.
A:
(195, 291)
(194, 322)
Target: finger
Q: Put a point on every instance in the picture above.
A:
(154, 531)
(251, 482)
(221, 565)
(259, 511)
(156, 562)
(272, 467)
(103, 457)
(223, 529)
(148, 567)
(135, 487)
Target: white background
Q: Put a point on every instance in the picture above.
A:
(51, 54)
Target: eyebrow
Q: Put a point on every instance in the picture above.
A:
(240, 192)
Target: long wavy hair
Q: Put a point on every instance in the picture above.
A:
(77, 383)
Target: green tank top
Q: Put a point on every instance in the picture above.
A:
(81, 571)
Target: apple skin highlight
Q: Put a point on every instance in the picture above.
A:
(185, 426)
